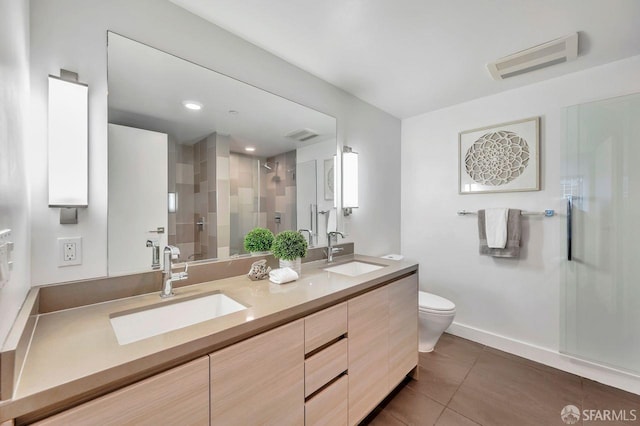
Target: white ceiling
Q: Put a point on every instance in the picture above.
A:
(409, 57)
(147, 87)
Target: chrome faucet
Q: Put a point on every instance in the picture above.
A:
(168, 276)
(310, 235)
(155, 254)
(331, 250)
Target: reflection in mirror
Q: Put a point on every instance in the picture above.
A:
(198, 159)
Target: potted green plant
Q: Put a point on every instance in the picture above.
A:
(290, 247)
(258, 240)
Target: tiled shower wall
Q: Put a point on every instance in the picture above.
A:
(228, 194)
(280, 192)
(181, 181)
(191, 168)
(248, 209)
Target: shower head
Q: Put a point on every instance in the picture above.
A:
(269, 166)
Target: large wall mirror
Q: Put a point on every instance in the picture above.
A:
(197, 159)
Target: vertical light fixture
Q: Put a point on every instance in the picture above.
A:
(68, 133)
(349, 180)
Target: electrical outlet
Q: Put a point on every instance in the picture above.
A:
(70, 251)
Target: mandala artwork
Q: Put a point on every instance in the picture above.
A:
(497, 158)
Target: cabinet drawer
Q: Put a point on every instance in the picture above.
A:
(329, 407)
(325, 366)
(324, 326)
(177, 396)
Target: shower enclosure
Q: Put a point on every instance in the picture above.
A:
(601, 184)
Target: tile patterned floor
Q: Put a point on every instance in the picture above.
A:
(465, 383)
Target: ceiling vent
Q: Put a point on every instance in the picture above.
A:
(557, 51)
(302, 135)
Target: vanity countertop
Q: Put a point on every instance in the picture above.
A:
(74, 354)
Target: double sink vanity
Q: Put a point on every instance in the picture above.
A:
(325, 349)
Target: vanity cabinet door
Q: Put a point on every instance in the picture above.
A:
(403, 328)
(368, 352)
(260, 380)
(179, 396)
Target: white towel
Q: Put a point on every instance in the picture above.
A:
(495, 223)
(332, 225)
(282, 275)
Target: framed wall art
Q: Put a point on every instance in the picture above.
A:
(500, 158)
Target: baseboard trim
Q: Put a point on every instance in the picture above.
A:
(599, 373)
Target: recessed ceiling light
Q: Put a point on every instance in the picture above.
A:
(193, 105)
(250, 148)
(233, 112)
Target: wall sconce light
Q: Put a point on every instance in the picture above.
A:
(349, 180)
(172, 202)
(68, 133)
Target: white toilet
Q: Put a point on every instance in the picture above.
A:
(435, 315)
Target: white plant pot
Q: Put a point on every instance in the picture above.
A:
(296, 265)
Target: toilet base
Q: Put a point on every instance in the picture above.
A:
(431, 327)
(425, 350)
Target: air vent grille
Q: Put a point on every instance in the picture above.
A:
(302, 135)
(545, 55)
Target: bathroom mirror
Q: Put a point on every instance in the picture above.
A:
(197, 159)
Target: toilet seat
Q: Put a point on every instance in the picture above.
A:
(431, 303)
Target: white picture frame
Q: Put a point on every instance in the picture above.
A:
(500, 158)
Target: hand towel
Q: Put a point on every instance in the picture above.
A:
(332, 225)
(495, 224)
(282, 275)
(512, 248)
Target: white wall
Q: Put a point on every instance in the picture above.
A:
(515, 299)
(71, 34)
(318, 152)
(14, 106)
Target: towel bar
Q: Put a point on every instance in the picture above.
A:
(546, 213)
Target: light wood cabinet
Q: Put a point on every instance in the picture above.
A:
(368, 352)
(291, 375)
(383, 343)
(324, 326)
(329, 407)
(178, 396)
(260, 380)
(324, 366)
(403, 328)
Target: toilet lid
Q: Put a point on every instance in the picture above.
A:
(436, 303)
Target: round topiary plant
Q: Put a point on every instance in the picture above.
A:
(258, 239)
(289, 245)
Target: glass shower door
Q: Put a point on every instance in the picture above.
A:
(600, 313)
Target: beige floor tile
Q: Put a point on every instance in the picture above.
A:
(623, 406)
(413, 408)
(451, 418)
(462, 350)
(502, 391)
(439, 376)
(491, 387)
(382, 418)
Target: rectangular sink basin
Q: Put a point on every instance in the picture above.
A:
(137, 325)
(355, 268)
